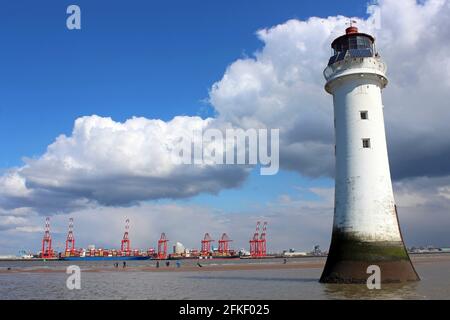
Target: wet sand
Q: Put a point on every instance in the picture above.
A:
(313, 263)
(190, 268)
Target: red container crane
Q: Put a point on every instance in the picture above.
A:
(47, 251)
(254, 242)
(125, 245)
(206, 245)
(223, 245)
(70, 240)
(162, 246)
(262, 248)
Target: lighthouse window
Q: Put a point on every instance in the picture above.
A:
(366, 143)
(364, 115)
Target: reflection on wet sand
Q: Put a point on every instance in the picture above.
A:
(360, 291)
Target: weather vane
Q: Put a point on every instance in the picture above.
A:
(351, 22)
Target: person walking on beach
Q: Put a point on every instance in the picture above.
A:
(124, 264)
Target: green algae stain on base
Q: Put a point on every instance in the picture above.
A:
(349, 258)
(345, 246)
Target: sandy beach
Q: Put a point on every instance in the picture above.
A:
(216, 279)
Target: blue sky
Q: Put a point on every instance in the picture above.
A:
(155, 59)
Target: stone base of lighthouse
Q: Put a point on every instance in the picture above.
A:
(349, 257)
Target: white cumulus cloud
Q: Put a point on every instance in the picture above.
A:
(282, 87)
(104, 162)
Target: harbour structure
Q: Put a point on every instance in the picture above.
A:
(224, 249)
(366, 229)
(126, 253)
(125, 246)
(206, 245)
(70, 240)
(258, 243)
(262, 247)
(162, 247)
(47, 250)
(254, 241)
(93, 254)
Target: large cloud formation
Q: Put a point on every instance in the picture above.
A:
(282, 86)
(109, 163)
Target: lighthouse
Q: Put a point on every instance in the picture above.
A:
(366, 229)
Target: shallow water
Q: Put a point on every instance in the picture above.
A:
(236, 284)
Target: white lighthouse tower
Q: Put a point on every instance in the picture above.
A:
(366, 230)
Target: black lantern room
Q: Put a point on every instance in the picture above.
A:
(358, 45)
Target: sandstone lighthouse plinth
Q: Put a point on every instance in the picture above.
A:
(366, 230)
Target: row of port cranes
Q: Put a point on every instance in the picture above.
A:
(258, 246)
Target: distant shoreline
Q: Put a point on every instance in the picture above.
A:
(318, 262)
(218, 258)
